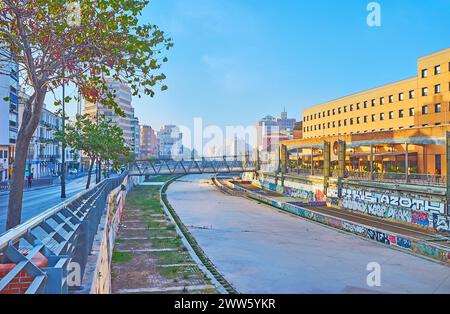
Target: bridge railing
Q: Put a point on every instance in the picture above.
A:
(191, 166)
(35, 257)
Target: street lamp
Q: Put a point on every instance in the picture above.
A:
(63, 157)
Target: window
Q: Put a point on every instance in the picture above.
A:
(345, 108)
(381, 116)
(437, 89)
(328, 113)
(339, 123)
(365, 119)
(411, 112)
(373, 102)
(315, 116)
(425, 91)
(345, 122)
(329, 124)
(411, 94)
(437, 108)
(401, 96)
(365, 103)
(358, 106)
(391, 115)
(351, 121)
(400, 113)
(425, 109)
(334, 112)
(391, 99)
(437, 70)
(424, 73)
(373, 118)
(382, 101)
(358, 120)
(339, 110)
(351, 107)
(334, 124)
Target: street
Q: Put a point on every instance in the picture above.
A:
(41, 199)
(261, 250)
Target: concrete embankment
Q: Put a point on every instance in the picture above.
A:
(410, 243)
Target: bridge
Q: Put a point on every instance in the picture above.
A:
(222, 164)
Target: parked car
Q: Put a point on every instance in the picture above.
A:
(73, 171)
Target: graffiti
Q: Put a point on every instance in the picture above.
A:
(378, 236)
(425, 249)
(378, 210)
(420, 218)
(441, 223)
(353, 228)
(394, 200)
(404, 243)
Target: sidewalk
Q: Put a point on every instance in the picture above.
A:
(52, 182)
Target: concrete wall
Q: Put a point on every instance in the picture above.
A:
(421, 206)
(425, 207)
(98, 272)
(408, 244)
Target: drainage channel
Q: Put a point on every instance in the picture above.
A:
(194, 248)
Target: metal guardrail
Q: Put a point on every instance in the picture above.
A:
(421, 179)
(63, 234)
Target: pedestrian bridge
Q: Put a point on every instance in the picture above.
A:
(191, 166)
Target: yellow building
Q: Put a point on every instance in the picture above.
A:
(420, 101)
(400, 127)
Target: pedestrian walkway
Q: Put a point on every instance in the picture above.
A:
(149, 256)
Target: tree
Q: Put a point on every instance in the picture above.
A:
(54, 44)
(100, 142)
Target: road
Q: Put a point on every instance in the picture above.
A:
(261, 250)
(41, 199)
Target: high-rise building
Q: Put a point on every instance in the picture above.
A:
(9, 117)
(170, 142)
(286, 124)
(123, 99)
(149, 143)
(136, 135)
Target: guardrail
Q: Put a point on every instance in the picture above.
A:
(422, 179)
(48, 253)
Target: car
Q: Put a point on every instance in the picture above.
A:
(73, 171)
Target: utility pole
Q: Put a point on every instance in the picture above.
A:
(63, 156)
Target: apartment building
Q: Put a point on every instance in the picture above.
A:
(170, 142)
(149, 143)
(9, 116)
(123, 99)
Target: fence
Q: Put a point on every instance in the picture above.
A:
(422, 179)
(48, 253)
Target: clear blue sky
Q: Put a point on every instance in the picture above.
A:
(235, 61)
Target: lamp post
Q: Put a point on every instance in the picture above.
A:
(63, 146)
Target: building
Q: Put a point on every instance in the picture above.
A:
(419, 101)
(170, 142)
(123, 99)
(396, 128)
(149, 143)
(136, 135)
(264, 130)
(44, 154)
(298, 130)
(286, 124)
(9, 116)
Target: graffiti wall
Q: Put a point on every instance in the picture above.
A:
(307, 193)
(421, 210)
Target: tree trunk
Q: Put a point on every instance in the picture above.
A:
(91, 166)
(30, 121)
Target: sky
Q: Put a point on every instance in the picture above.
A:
(235, 61)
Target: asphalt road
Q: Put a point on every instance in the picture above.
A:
(262, 250)
(41, 199)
